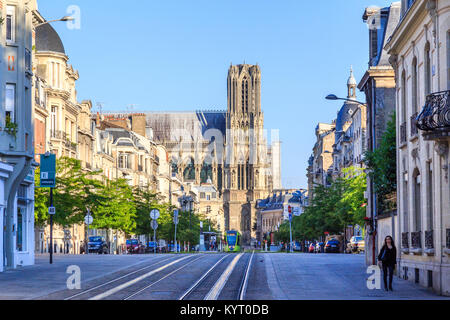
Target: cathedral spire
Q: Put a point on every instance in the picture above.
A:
(351, 85)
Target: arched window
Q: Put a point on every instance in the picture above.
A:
(430, 195)
(417, 201)
(415, 102)
(403, 95)
(427, 69)
(245, 95)
(189, 172)
(206, 173)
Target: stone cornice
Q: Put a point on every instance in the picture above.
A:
(407, 26)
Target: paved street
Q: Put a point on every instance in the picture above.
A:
(262, 276)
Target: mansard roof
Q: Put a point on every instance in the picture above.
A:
(48, 40)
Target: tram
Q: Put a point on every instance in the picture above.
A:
(233, 241)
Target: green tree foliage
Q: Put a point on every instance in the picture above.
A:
(382, 167)
(113, 204)
(331, 209)
(115, 207)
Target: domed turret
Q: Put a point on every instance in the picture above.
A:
(48, 40)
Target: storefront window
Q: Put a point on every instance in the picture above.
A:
(20, 239)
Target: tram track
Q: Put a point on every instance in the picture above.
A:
(89, 293)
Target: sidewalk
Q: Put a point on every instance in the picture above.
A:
(42, 278)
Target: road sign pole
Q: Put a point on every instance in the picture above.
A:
(154, 239)
(51, 227)
(290, 231)
(176, 247)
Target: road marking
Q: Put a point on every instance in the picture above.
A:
(114, 280)
(201, 279)
(245, 283)
(217, 288)
(131, 282)
(150, 285)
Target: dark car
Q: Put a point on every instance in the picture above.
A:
(97, 245)
(332, 246)
(133, 246)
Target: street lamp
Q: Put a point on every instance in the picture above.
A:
(63, 19)
(334, 97)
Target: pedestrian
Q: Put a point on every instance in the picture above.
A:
(388, 259)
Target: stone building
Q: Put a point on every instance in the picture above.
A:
(322, 158)
(273, 211)
(349, 126)
(420, 55)
(16, 134)
(378, 84)
(227, 147)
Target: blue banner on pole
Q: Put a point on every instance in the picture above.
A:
(48, 171)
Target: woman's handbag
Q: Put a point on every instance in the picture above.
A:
(384, 255)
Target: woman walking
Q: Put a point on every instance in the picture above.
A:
(388, 259)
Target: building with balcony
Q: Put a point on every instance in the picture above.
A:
(420, 55)
(16, 135)
(321, 159)
(378, 84)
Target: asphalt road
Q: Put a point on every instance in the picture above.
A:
(258, 276)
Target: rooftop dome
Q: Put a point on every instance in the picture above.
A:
(351, 80)
(48, 40)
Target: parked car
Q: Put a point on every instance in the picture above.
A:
(132, 246)
(311, 248)
(332, 246)
(356, 244)
(319, 247)
(97, 245)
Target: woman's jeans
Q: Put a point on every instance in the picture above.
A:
(387, 268)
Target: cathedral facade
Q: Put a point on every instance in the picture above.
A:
(226, 148)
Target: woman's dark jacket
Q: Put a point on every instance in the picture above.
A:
(390, 258)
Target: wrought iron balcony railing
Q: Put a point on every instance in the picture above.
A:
(416, 242)
(403, 133)
(405, 240)
(436, 113)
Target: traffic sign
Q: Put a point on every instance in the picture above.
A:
(51, 210)
(88, 219)
(48, 170)
(154, 214)
(154, 224)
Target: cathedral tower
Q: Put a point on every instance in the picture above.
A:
(246, 159)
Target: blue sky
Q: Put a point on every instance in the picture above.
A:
(174, 55)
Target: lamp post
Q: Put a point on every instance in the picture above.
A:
(334, 98)
(63, 19)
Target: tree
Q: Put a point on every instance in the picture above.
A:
(73, 192)
(116, 208)
(382, 168)
(332, 208)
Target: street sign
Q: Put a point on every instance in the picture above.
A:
(51, 211)
(48, 170)
(297, 211)
(88, 219)
(154, 224)
(154, 214)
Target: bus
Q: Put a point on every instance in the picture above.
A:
(233, 241)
